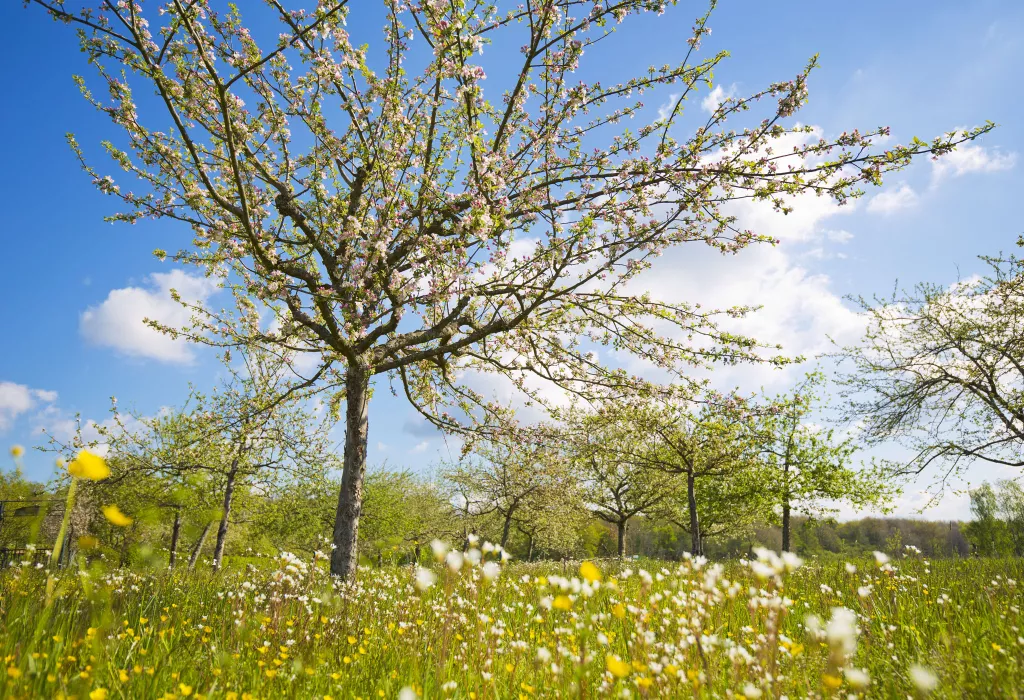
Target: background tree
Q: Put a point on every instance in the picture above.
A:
(553, 525)
(516, 477)
(698, 442)
(405, 511)
(805, 465)
(941, 371)
(618, 485)
(709, 444)
(728, 505)
(25, 505)
(1010, 497)
(161, 470)
(252, 434)
(381, 211)
(987, 532)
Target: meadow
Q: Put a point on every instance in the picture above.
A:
(471, 625)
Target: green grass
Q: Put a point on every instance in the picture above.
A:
(116, 633)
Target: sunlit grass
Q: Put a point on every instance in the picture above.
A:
(522, 630)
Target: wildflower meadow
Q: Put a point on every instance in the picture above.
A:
(473, 625)
(511, 349)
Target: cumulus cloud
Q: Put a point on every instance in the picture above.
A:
(63, 425)
(799, 308)
(665, 111)
(971, 159)
(839, 236)
(118, 322)
(716, 97)
(16, 399)
(892, 201)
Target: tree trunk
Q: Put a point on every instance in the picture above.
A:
(785, 507)
(785, 526)
(199, 546)
(621, 525)
(696, 547)
(529, 549)
(125, 542)
(345, 556)
(175, 534)
(222, 529)
(505, 530)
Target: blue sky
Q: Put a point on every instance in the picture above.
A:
(74, 287)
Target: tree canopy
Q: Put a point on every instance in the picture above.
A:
(408, 216)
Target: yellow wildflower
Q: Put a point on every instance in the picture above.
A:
(17, 451)
(832, 682)
(562, 602)
(115, 516)
(89, 466)
(589, 571)
(618, 667)
(98, 694)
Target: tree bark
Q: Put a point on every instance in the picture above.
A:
(696, 547)
(199, 546)
(222, 528)
(785, 526)
(175, 534)
(529, 549)
(621, 525)
(785, 507)
(505, 530)
(125, 541)
(345, 556)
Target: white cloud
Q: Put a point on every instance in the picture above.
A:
(971, 159)
(16, 399)
(665, 111)
(716, 97)
(420, 447)
(118, 321)
(892, 201)
(799, 308)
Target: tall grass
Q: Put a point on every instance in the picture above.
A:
(638, 628)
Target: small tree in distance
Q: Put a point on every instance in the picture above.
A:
(515, 479)
(415, 220)
(806, 466)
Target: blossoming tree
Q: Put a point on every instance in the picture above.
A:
(940, 370)
(407, 216)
